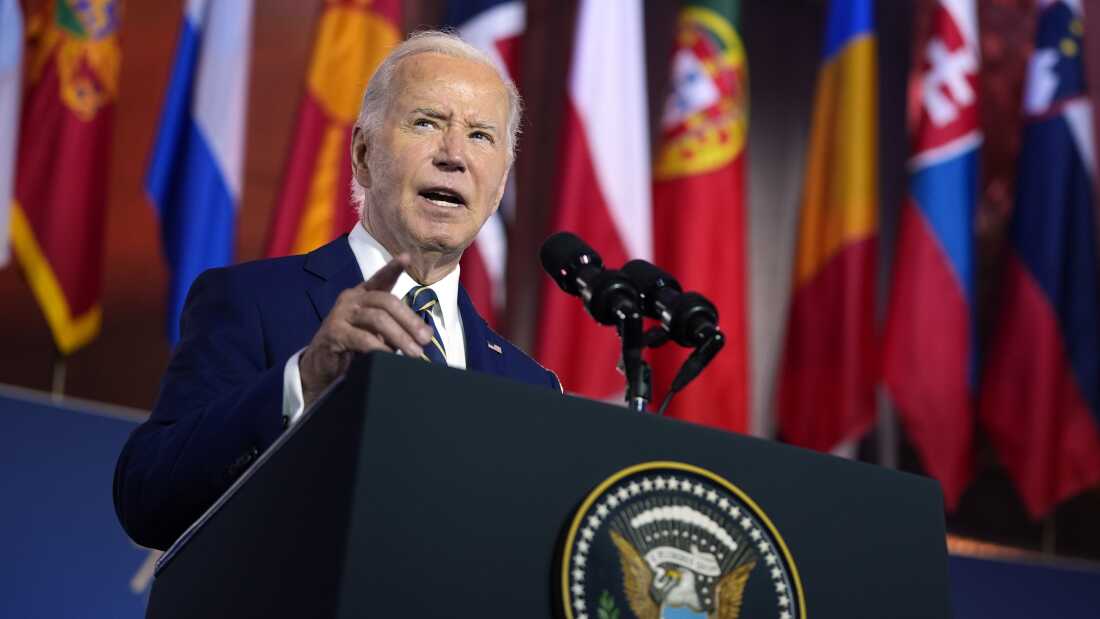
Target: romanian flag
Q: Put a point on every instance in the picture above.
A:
(699, 204)
(1040, 397)
(315, 205)
(72, 61)
(827, 379)
(930, 353)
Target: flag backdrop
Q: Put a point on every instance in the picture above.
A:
(194, 175)
(496, 28)
(603, 188)
(315, 205)
(699, 204)
(1041, 386)
(827, 378)
(930, 353)
(72, 63)
(11, 90)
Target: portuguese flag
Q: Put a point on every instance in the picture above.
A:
(315, 206)
(699, 204)
(72, 64)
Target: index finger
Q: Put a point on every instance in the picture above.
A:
(386, 277)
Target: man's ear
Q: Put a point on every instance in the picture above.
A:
(503, 188)
(360, 151)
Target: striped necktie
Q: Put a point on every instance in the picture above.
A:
(422, 300)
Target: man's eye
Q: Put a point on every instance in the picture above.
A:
(481, 135)
(423, 122)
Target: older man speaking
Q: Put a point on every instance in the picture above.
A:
(261, 341)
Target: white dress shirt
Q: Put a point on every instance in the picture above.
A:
(371, 257)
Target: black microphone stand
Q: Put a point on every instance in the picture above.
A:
(639, 383)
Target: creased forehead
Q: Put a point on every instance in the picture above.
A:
(439, 82)
(435, 67)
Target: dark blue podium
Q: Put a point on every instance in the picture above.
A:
(422, 491)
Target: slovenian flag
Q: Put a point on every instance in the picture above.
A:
(929, 356)
(194, 176)
(827, 378)
(496, 28)
(1041, 385)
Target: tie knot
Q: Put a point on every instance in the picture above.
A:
(421, 299)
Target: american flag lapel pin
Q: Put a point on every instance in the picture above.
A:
(495, 348)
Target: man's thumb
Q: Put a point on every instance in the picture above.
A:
(386, 277)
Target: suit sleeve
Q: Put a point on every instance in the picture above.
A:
(555, 382)
(220, 406)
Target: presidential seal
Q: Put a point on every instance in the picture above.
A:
(667, 540)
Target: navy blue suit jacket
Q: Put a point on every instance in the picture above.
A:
(220, 403)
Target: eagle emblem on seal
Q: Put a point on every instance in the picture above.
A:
(668, 540)
(653, 585)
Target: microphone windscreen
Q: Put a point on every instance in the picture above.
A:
(564, 252)
(649, 277)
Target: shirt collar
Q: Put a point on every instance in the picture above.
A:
(371, 257)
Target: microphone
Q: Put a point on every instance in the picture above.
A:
(609, 296)
(691, 320)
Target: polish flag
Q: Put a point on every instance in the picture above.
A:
(604, 187)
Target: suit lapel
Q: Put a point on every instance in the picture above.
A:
(336, 269)
(484, 349)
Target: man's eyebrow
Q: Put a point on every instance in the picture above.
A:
(438, 115)
(431, 113)
(480, 124)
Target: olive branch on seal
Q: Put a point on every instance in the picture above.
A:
(607, 608)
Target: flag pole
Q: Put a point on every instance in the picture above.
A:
(888, 437)
(1049, 535)
(57, 382)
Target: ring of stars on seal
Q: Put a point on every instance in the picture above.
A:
(669, 540)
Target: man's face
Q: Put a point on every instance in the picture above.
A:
(435, 170)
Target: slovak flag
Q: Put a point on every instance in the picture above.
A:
(194, 174)
(496, 28)
(1041, 385)
(930, 354)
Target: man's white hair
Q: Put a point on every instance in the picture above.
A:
(376, 98)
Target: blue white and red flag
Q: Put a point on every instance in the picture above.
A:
(929, 359)
(496, 28)
(196, 167)
(1041, 384)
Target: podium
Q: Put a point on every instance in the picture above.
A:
(414, 490)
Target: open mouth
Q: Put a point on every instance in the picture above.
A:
(443, 197)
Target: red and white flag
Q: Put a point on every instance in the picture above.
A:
(604, 186)
(496, 28)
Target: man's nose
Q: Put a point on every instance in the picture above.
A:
(451, 154)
